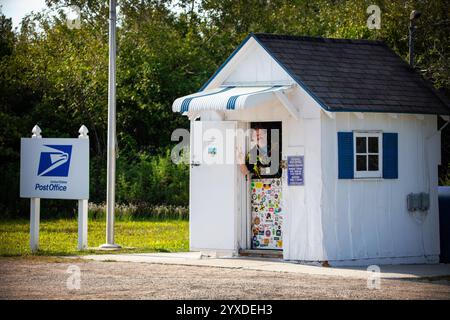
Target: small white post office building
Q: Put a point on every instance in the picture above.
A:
(358, 146)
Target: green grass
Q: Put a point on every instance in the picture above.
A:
(60, 236)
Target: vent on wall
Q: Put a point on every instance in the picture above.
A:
(418, 201)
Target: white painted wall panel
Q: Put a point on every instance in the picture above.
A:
(368, 219)
(302, 203)
(257, 66)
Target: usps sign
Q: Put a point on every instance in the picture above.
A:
(54, 168)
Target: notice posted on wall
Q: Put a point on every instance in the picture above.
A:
(295, 170)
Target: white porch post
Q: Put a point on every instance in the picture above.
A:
(83, 206)
(35, 206)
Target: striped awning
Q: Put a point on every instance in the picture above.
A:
(227, 98)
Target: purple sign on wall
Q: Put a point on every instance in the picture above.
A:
(295, 170)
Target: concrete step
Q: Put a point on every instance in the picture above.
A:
(276, 254)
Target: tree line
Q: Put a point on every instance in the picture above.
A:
(56, 76)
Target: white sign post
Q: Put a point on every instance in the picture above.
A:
(55, 168)
(83, 205)
(35, 206)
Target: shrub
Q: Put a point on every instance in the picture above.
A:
(152, 179)
(141, 211)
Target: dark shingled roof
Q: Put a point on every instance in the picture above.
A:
(354, 75)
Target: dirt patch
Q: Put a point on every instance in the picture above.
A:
(43, 278)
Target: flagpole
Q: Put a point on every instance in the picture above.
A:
(111, 152)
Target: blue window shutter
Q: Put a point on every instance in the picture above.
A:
(345, 155)
(390, 155)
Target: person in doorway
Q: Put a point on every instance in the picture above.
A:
(259, 154)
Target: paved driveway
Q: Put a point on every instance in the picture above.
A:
(278, 265)
(56, 278)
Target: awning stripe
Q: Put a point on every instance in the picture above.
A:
(227, 98)
(231, 104)
(187, 101)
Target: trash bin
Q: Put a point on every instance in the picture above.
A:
(444, 223)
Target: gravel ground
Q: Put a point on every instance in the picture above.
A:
(46, 278)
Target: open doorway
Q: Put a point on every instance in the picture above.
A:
(266, 186)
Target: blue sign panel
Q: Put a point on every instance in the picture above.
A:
(295, 170)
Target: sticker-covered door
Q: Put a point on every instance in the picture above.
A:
(266, 186)
(267, 213)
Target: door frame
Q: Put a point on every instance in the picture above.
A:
(244, 186)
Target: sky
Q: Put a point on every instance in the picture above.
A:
(17, 9)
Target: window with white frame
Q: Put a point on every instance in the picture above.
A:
(368, 154)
